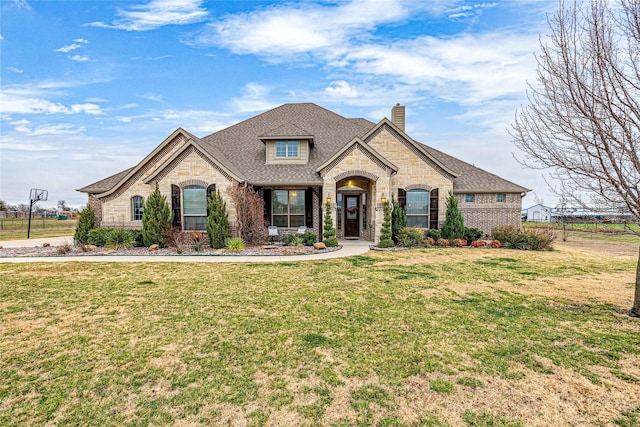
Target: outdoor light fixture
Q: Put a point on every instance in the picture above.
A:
(328, 199)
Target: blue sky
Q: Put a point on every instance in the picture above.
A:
(88, 88)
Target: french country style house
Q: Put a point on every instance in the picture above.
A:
(300, 156)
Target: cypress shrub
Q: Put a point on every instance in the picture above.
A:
(453, 227)
(156, 220)
(86, 223)
(218, 228)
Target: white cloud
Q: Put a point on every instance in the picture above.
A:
(156, 14)
(282, 31)
(79, 58)
(254, 98)
(15, 70)
(50, 129)
(68, 48)
(341, 89)
(15, 102)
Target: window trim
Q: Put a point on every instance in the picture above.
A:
(182, 210)
(422, 215)
(502, 196)
(134, 212)
(302, 195)
(288, 149)
(469, 198)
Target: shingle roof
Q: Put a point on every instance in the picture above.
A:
(472, 179)
(105, 184)
(241, 149)
(241, 143)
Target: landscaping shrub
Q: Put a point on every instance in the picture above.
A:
(428, 241)
(432, 234)
(119, 238)
(292, 240)
(329, 231)
(398, 220)
(86, 223)
(386, 243)
(458, 243)
(443, 242)
(479, 244)
(331, 242)
(504, 232)
(471, 234)
(529, 240)
(137, 238)
(235, 245)
(156, 219)
(251, 225)
(410, 237)
(309, 238)
(98, 236)
(198, 241)
(495, 244)
(453, 227)
(218, 229)
(385, 232)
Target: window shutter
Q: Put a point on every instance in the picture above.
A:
(308, 208)
(175, 206)
(266, 194)
(210, 190)
(402, 197)
(433, 209)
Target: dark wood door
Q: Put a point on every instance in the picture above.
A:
(351, 216)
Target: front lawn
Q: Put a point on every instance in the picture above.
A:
(422, 337)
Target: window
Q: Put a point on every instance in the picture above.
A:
(417, 208)
(286, 148)
(287, 208)
(194, 207)
(136, 208)
(469, 198)
(501, 198)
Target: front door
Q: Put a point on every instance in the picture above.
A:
(351, 216)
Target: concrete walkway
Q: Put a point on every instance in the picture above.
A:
(349, 248)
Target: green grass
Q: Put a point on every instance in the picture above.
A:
(350, 341)
(16, 228)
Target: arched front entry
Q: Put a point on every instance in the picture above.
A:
(354, 216)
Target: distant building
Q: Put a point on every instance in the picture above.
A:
(541, 213)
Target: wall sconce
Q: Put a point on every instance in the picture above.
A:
(328, 199)
(383, 199)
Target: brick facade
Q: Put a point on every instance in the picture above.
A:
(485, 212)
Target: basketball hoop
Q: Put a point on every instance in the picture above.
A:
(35, 195)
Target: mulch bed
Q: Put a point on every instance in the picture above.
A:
(71, 251)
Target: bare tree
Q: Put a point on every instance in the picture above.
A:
(583, 116)
(250, 222)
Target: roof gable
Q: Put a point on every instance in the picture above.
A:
(416, 147)
(356, 143)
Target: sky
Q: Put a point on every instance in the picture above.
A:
(89, 88)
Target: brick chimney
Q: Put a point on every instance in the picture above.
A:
(397, 116)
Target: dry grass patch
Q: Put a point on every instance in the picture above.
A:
(422, 337)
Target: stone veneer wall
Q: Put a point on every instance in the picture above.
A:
(117, 211)
(485, 213)
(413, 169)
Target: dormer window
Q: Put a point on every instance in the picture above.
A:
(286, 149)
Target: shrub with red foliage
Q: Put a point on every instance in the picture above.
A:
(458, 243)
(429, 242)
(443, 242)
(479, 244)
(496, 244)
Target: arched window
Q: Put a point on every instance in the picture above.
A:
(417, 208)
(194, 207)
(136, 208)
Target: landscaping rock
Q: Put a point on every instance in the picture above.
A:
(319, 245)
(154, 247)
(90, 247)
(46, 245)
